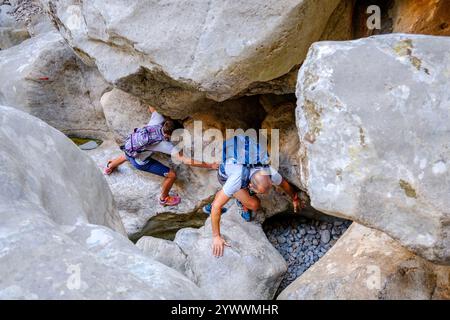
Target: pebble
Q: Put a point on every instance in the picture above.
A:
(325, 236)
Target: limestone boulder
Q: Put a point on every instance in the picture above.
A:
(164, 251)
(250, 269)
(183, 53)
(62, 237)
(136, 192)
(373, 119)
(43, 77)
(123, 112)
(369, 265)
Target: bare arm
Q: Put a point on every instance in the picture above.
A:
(289, 189)
(218, 242)
(151, 109)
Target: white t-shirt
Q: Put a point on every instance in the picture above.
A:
(163, 146)
(233, 173)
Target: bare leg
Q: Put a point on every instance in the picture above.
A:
(167, 184)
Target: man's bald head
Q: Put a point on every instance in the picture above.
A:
(261, 181)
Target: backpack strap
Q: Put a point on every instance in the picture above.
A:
(245, 177)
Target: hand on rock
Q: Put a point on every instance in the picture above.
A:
(218, 246)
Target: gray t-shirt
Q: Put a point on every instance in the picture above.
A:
(233, 174)
(163, 146)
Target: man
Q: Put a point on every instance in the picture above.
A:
(142, 160)
(243, 181)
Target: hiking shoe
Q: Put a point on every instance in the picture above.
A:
(107, 171)
(246, 214)
(207, 209)
(170, 201)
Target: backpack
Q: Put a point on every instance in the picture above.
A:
(141, 138)
(246, 151)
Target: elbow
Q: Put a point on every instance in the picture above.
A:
(216, 209)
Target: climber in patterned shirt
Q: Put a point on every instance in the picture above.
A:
(144, 161)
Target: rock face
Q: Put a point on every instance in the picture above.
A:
(47, 80)
(58, 221)
(373, 119)
(136, 192)
(11, 32)
(169, 60)
(430, 17)
(282, 118)
(250, 269)
(123, 113)
(368, 264)
(164, 251)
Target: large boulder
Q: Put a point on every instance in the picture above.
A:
(164, 251)
(136, 192)
(43, 77)
(123, 112)
(251, 269)
(374, 121)
(61, 235)
(178, 54)
(368, 264)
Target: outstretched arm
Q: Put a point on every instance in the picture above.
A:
(290, 190)
(218, 242)
(151, 109)
(195, 163)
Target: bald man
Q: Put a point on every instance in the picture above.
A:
(243, 183)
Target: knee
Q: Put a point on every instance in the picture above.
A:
(171, 175)
(254, 204)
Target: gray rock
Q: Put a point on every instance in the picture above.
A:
(43, 76)
(90, 145)
(369, 265)
(251, 263)
(169, 60)
(325, 236)
(62, 237)
(164, 251)
(373, 118)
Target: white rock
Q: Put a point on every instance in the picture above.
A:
(250, 269)
(57, 222)
(43, 77)
(180, 53)
(373, 118)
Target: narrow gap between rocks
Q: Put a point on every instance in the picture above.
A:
(166, 225)
(302, 239)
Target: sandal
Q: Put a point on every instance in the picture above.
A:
(170, 201)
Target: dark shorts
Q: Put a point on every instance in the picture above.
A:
(151, 165)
